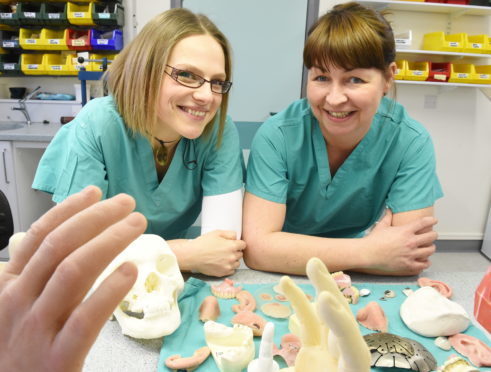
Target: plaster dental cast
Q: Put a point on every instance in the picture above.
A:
(322, 172)
(163, 137)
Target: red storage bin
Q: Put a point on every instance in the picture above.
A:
(78, 39)
(439, 72)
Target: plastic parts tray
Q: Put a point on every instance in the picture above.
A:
(417, 71)
(32, 64)
(462, 73)
(438, 41)
(439, 72)
(30, 39)
(54, 14)
(106, 40)
(108, 14)
(80, 14)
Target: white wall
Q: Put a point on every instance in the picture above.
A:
(460, 124)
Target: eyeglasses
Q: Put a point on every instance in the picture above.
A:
(191, 80)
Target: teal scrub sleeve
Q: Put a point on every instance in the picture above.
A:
(416, 185)
(266, 167)
(223, 168)
(72, 161)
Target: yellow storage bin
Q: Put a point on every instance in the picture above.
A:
(401, 69)
(446, 43)
(32, 64)
(97, 66)
(80, 14)
(417, 71)
(482, 75)
(477, 44)
(30, 39)
(462, 73)
(59, 64)
(54, 39)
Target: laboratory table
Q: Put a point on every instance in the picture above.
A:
(461, 269)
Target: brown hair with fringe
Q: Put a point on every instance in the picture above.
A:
(350, 36)
(135, 76)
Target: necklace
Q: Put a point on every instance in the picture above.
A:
(162, 154)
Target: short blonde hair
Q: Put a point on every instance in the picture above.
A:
(135, 76)
(350, 36)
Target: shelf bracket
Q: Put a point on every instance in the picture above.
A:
(486, 92)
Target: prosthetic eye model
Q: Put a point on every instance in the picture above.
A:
(150, 308)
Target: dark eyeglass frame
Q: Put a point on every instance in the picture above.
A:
(224, 84)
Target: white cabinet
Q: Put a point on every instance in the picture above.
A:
(31, 204)
(7, 178)
(426, 17)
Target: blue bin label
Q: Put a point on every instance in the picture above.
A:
(54, 15)
(102, 41)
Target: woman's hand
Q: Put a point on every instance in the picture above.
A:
(400, 250)
(44, 322)
(217, 253)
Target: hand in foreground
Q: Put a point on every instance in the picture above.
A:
(400, 250)
(45, 326)
(216, 253)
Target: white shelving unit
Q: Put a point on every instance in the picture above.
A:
(416, 6)
(453, 11)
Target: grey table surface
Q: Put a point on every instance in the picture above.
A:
(462, 270)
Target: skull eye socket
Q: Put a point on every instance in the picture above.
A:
(152, 283)
(165, 263)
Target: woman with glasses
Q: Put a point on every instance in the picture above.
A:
(163, 137)
(322, 172)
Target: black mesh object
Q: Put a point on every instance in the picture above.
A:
(6, 222)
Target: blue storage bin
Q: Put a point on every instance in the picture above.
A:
(106, 40)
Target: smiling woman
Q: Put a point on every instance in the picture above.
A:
(321, 172)
(162, 136)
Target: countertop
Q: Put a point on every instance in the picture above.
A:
(36, 132)
(461, 269)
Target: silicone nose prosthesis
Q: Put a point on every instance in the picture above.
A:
(331, 339)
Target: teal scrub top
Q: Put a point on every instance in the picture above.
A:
(393, 166)
(97, 148)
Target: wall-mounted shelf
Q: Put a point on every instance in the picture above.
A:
(446, 54)
(442, 84)
(417, 6)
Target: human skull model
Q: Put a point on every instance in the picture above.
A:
(150, 308)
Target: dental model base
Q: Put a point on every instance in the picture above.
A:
(150, 308)
(331, 339)
(265, 362)
(231, 347)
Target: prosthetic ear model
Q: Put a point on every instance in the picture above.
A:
(344, 349)
(231, 347)
(150, 309)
